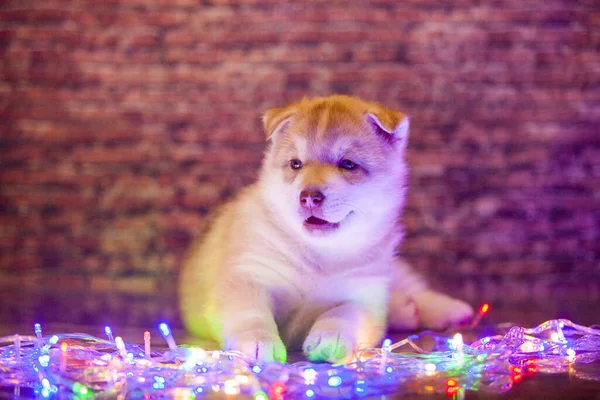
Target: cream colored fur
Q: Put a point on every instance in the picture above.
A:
(261, 280)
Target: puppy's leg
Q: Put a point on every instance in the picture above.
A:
(338, 333)
(413, 304)
(247, 322)
(438, 311)
(402, 308)
(402, 312)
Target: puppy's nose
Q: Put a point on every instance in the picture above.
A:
(311, 198)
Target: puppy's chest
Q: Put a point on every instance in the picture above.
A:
(328, 285)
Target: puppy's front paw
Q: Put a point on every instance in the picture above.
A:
(438, 311)
(331, 346)
(260, 345)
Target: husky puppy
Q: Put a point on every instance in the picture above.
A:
(306, 256)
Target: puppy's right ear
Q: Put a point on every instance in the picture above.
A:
(275, 119)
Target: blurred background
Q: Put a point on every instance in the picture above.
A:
(125, 122)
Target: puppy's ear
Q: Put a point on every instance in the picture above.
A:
(391, 124)
(275, 119)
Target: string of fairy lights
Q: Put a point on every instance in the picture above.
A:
(81, 366)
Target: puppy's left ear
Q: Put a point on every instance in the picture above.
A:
(391, 124)
(275, 119)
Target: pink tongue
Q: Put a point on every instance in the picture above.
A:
(316, 221)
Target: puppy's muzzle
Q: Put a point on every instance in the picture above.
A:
(311, 198)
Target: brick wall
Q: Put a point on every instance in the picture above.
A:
(123, 122)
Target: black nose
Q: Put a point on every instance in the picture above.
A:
(311, 198)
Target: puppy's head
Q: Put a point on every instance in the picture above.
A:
(335, 169)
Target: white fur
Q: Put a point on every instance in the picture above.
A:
(261, 281)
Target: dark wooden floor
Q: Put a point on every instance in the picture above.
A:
(62, 314)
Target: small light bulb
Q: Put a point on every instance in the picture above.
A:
(38, 330)
(458, 342)
(121, 347)
(310, 376)
(17, 340)
(44, 360)
(165, 331)
(528, 347)
(459, 347)
(109, 333)
(78, 388)
(232, 387)
(147, 350)
(386, 348)
(481, 312)
(387, 344)
(334, 381)
(260, 395)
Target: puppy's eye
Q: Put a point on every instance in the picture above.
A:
(295, 164)
(347, 164)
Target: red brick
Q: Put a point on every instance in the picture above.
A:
(124, 122)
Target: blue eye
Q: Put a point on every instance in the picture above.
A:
(295, 164)
(347, 164)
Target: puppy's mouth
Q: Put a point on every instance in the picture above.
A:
(320, 226)
(312, 220)
(316, 225)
